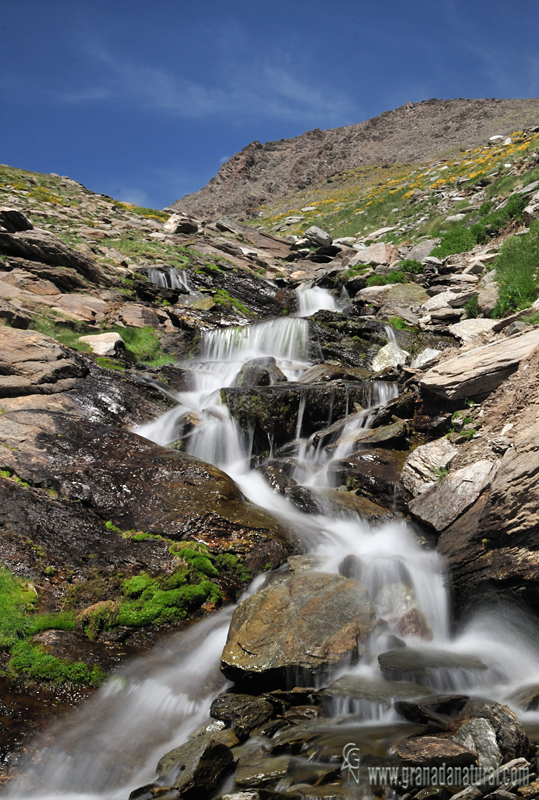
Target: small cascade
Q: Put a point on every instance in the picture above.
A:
(312, 299)
(391, 355)
(169, 278)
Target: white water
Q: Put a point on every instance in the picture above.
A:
(112, 745)
(169, 278)
(312, 299)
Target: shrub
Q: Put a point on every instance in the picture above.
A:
(458, 240)
(383, 280)
(411, 265)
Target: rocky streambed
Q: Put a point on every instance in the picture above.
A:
(342, 658)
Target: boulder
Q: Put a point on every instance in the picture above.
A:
(511, 737)
(479, 735)
(445, 501)
(31, 363)
(137, 316)
(373, 473)
(82, 307)
(374, 295)
(243, 712)
(197, 767)
(317, 236)
(487, 299)
(177, 223)
(390, 355)
(272, 412)
(423, 466)
(46, 247)
(431, 751)
(306, 623)
(468, 329)
(13, 220)
(378, 254)
(394, 435)
(406, 295)
(105, 344)
(420, 251)
(476, 373)
(14, 315)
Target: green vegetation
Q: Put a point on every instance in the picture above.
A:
(457, 240)
(517, 266)
(472, 311)
(410, 265)
(19, 621)
(492, 224)
(383, 280)
(224, 298)
(400, 324)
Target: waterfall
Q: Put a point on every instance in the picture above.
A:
(111, 745)
(169, 278)
(313, 298)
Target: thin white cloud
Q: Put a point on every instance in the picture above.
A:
(260, 91)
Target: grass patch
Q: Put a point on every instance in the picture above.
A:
(457, 240)
(411, 265)
(384, 280)
(517, 268)
(224, 298)
(472, 311)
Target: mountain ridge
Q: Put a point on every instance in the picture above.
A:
(261, 173)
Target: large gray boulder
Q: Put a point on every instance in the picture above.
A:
(306, 623)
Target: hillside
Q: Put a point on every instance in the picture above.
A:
(262, 173)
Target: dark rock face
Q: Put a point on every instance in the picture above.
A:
(196, 768)
(430, 751)
(374, 474)
(242, 711)
(410, 133)
(272, 411)
(406, 661)
(134, 483)
(303, 624)
(510, 734)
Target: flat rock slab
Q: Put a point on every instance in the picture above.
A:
(422, 468)
(448, 499)
(476, 373)
(406, 659)
(468, 329)
(406, 294)
(430, 751)
(31, 363)
(356, 687)
(308, 623)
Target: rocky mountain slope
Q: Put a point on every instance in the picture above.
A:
(109, 540)
(262, 174)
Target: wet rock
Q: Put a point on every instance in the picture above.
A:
(357, 687)
(424, 465)
(196, 767)
(416, 662)
(264, 772)
(134, 483)
(394, 435)
(252, 374)
(242, 711)
(373, 473)
(476, 373)
(278, 473)
(413, 623)
(272, 412)
(323, 372)
(430, 751)
(511, 737)
(351, 567)
(438, 708)
(177, 378)
(281, 628)
(479, 735)
(448, 499)
(526, 698)
(390, 355)
(31, 363)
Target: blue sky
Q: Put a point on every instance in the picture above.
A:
(144, 99)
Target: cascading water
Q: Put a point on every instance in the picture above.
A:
(111, 745)
(312, 299)
(169, 278)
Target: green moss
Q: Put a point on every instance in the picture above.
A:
(32, 663)
(224, 298)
